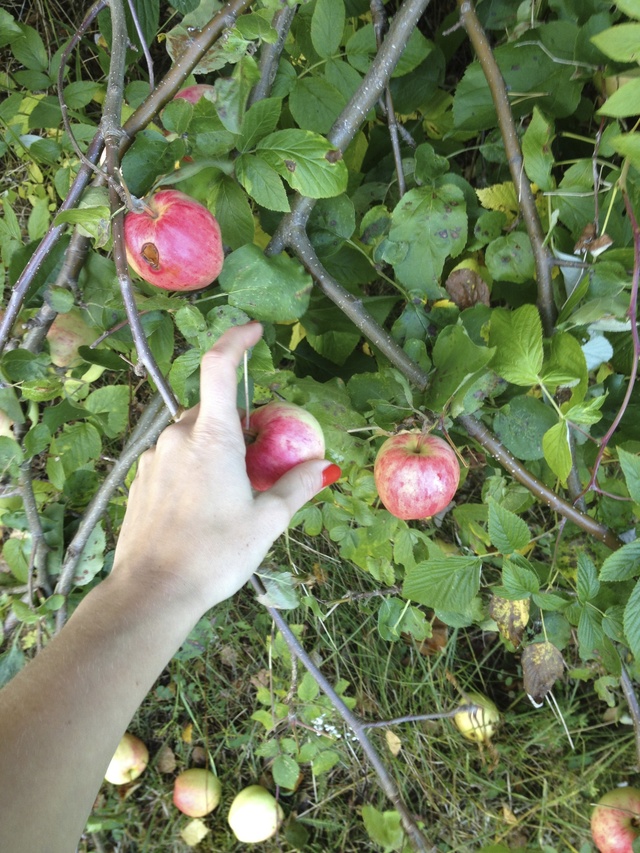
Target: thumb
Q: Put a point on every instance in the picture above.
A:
(296, 487)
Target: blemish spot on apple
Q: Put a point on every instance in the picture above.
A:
(149, 253)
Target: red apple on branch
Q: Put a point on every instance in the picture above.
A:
(416, 475)
(175, 244)
(615, 820)
(280, 435)
(196, 792)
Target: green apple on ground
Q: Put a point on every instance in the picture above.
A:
(175, 244)
(615, 820)
(255, 815)
(477, 724)
(416, 475)
(196, 792)
(129, 760)
(280, 435)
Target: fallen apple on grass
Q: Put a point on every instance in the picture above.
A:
(255, 815)
(279, 436)
(615, 820)
(196, 792)
(477, 724)
(175, 244)
(129, 760)
(416, 475)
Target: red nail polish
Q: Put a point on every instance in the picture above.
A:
(330, 474)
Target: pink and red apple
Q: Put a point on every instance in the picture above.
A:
(195, 92)
(175, 244)
(280, 436)
(615, 820)
(196, 792)
(416, 475)
(129, 760)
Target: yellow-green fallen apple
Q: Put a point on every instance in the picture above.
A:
(478, 723)
(129, 760)
(416, 475)
(280, 435)
(66, 334)
(196, 792)
(615, 820)
(175, 244)
(255, 815)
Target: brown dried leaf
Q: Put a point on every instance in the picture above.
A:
(166, 759)
(199, 756)
(467, 288)
(434, 644)
(511, 617)
(542, 664)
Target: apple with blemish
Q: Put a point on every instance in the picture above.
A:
(174, 243)
(416, 475)
(280, 435)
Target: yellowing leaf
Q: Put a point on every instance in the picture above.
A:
(511, 617)
(500, 197)
(393, 742)
(187, 733)
(193, 833)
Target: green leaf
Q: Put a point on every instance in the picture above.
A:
(628, 144)
(536, 149)
(177, 115)
(308, 688)
(315, 104)
(507, 531)
(428, 225)
(629, 7)
(396, 617)
(11, 455)
(9, 30)
(517, 337)
(110, 407)
(621, 42)
(275, 289)
(361, 48)
(623, 102)
(521, 424)
(590, 634)
(510, 258)
(518, 580)
(306, 161)
(11, 661)
(325, 761)
(630, 464)
(588, 584)
(280, 590)
(233, 212)
(458, 362)
(285, 772)
(631, 621)
(383, 828)
(586, 413)
(448, 583)
(260, 120)
(623, 564)
(92, 557)
(327, 24)
(557, 451)
(262, 182)
(29, 50)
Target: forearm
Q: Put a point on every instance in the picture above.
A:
(70, 706)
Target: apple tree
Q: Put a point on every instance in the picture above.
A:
(433, 210)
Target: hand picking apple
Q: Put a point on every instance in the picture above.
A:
(193, 533)
(416, 475)
(280, 435)
(175, 244)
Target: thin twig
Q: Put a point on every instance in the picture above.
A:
(355, 724)
(634, 708)
(499, 94)
(270, 54)
(143, 43)
(39, 547)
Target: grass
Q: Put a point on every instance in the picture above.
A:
(528, 790)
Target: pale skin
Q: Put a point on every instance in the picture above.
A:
(193, 534)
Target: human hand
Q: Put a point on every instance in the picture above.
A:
(193, 521)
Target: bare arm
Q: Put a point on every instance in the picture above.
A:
(192, 536)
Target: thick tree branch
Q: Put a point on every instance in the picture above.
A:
(495, 81)
(270, 54)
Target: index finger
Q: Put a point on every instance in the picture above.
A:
(218, 380)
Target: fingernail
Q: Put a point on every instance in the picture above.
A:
(330, 475)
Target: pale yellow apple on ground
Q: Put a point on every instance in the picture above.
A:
(196, 792)
(129, 760)
(255, 815)
(478, 724)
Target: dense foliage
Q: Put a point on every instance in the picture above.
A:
(430, 244)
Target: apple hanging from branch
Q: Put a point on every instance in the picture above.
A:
(175, 243)
(280, 435)
(615, 820)
(416, 475)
